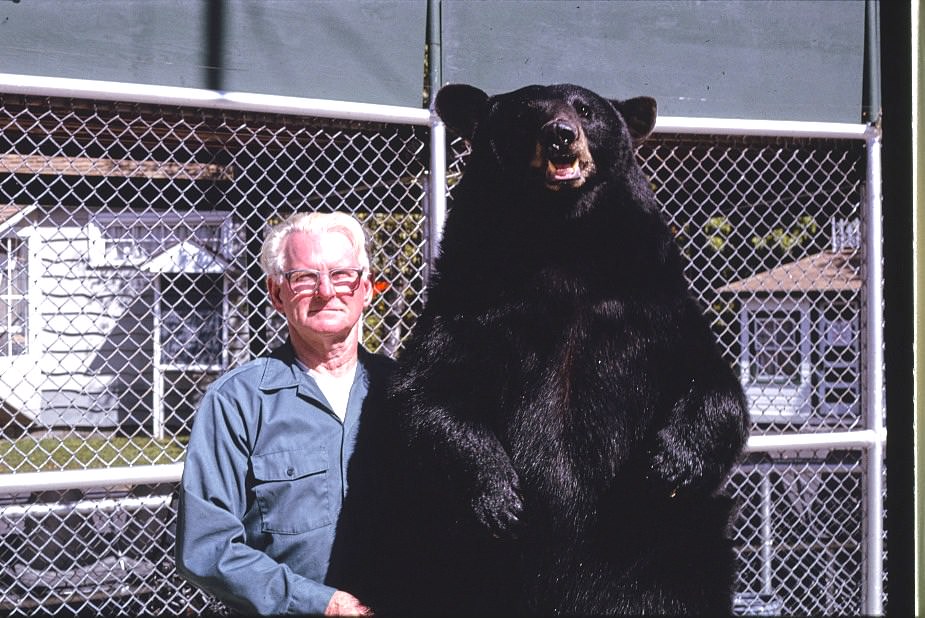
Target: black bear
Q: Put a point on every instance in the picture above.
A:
(562, 420)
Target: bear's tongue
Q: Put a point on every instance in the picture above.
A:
(562, 170)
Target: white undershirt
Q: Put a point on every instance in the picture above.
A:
(336, 389)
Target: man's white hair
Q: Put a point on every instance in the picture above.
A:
(271, 254)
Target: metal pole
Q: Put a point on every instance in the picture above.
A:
(157, 366)
(436, 213)
(873, 604)
(436, 202)
(872, 65)
(434, 48)
(767, 537)
(87, 479)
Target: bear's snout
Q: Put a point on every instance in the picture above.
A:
(558, 135)
(562, 154)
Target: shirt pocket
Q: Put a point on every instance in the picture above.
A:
(291, 489)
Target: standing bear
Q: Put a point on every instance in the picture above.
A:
(562, 420)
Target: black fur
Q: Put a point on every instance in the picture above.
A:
(562, 420)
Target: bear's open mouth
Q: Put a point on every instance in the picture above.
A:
(563, 170)
(559, 170)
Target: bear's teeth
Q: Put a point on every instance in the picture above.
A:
(563, 171)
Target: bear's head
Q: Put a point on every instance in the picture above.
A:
(557, 138)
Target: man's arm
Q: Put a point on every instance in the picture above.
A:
(211, 551)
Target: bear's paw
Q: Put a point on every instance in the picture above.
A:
(499, 505)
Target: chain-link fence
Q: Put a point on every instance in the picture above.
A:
(129, 235)
(774, 231)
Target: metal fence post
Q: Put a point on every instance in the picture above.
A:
(436, 206)
(873, 604)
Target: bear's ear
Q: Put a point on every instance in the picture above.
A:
(639, 114)
(459, 107)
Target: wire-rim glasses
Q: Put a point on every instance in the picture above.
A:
(308, 280)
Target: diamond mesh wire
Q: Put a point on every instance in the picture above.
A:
(772, 233)
(129, 237)
(798, 533)
(771, 229)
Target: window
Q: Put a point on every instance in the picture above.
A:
(191, 320)
(776, 363)
(14, 303)
(775, 346)
(840, 368)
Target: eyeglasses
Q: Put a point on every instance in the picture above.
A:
(307, 281)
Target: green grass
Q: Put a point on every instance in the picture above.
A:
(80, 453)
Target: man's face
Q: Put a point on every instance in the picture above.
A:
(326, 312)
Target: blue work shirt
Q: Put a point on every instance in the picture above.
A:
(263, 483)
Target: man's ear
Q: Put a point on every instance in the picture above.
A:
(460, 107)
(273, 292)
(367, 284)
(640, 114)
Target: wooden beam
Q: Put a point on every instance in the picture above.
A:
(124, 168)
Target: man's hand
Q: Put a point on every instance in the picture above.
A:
(345, 604)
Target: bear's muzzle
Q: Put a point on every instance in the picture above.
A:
(562, 153)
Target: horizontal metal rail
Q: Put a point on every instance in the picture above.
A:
(171, 473)
(246, 101)
(763, 128)
(213, 99)
(87, 479)
(84, 506)
(849, 439)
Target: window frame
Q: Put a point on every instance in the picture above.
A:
(778, 400)
(139, 225)
(23, 298)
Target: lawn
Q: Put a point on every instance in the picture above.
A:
(80, 453)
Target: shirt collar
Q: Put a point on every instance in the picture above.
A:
(286, 373)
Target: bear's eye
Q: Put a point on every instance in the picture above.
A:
(583, 110)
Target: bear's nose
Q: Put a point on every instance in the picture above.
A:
(558, 134)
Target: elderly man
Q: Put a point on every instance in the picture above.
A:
(265, 470)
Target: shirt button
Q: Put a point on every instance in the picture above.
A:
(290, 471)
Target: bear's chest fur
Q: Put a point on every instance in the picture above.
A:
(570, 379)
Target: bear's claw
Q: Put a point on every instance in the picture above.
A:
(500, 510)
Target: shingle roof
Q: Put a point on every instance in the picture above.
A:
(823, 272)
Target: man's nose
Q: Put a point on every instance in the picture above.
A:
(325, 287)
